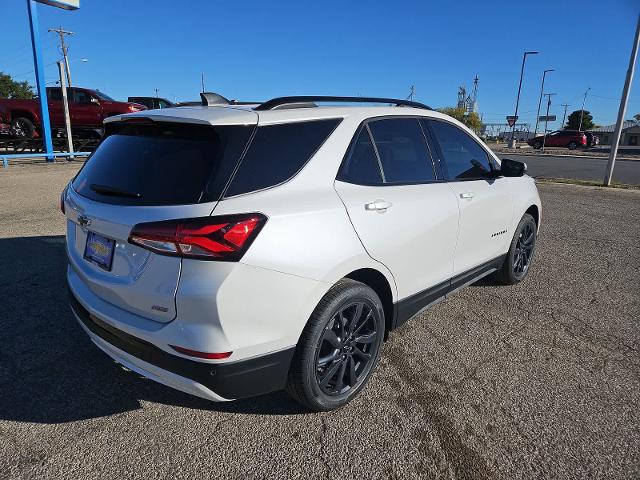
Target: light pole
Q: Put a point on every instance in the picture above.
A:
(546, 119)
(623, 107)
(582, 109)
(512, 143)
(544, 74)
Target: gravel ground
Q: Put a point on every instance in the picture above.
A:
(539, 380)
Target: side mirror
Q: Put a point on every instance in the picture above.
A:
(512, 168)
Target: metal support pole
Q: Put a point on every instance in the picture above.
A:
(544, 74)
(513, 129)
(65, 101)
(564, 117)
(40, 83)
(623, 107)
(582, 109)
(546, 120)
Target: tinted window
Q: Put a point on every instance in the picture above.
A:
(277, 153)
(361, 166)
(463, 156)
(55, 94)
(402, 150)
(162, 164)
(80, 96)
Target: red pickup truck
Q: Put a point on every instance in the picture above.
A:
(87, 109)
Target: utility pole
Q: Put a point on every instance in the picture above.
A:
(582, 109)
(546, 120)
(64, 49)
(623, 107)
(65, 102)
(513, 129)
(564, 117)
(156, 90)
(202, 81)
(544, 74)
(412, 92)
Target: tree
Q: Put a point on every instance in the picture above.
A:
(9, 88)
(471, 120)
(573, 121)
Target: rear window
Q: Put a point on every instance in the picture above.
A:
(162, 164)
(278, 152)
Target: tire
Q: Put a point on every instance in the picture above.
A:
(518, 260)
(22, 127)
(572, 145)
(537, 145)
(328, 371)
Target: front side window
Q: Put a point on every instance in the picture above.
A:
(402, 150)
(80, 96)
(464, 158)
(277, 153)
(55, 94)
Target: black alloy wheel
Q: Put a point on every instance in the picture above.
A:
(339, 347)
(517, 262)
(344, 353)
(524, 250)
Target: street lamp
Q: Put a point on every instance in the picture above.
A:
(513, 129)
(544, 74)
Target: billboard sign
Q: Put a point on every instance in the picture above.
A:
(547, 118)
(66, 4)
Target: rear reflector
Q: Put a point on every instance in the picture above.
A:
(207, 355)
(222, 238)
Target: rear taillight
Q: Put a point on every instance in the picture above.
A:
(223, 238)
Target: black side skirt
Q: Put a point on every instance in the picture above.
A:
(407, 308)
(245, 378)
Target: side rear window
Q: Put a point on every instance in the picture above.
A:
(361, 166)
(162, 163)
(402, 149)
(277, 153)
(462, 155)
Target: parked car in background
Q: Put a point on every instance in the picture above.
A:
(152, 102)
(232, 251)
(570, 139)
(592, 139)
(87, 109)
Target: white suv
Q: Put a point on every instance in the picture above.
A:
(230, 250)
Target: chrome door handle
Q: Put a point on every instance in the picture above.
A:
(378, 205)
(468, 195)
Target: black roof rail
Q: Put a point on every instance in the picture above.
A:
(307, 99)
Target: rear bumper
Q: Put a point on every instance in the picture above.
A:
(218, 382)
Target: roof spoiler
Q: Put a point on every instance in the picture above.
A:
(210, 99)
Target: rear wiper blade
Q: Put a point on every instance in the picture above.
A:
(116, 192)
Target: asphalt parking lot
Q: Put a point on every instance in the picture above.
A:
(540, 380)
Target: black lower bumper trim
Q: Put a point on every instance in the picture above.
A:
(245, 378)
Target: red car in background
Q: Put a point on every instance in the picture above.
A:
(87, 109)
(570, 139)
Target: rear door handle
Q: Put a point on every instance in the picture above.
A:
(378, 205)
(467, 195)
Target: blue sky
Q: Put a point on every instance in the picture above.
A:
(255, 50)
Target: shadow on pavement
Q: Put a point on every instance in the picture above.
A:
(50, 372)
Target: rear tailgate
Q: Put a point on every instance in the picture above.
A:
(145, 172)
